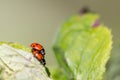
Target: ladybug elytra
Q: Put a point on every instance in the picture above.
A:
(39, 52)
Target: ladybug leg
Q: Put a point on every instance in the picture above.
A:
(43, 62)
(32, 50)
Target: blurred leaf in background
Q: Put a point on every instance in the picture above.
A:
(82, 48)
(113, 66)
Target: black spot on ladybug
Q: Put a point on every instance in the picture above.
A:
(33, 45)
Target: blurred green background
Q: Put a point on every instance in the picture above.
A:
(27, 21)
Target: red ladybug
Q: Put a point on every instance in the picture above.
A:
(38, 47)
(39, 52)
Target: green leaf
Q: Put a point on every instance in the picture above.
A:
(81, 49)
(113, 66)
(17, 63)
(57, 74)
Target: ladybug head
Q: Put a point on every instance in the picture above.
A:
(36, 46)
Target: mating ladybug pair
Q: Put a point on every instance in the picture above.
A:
(39, 52)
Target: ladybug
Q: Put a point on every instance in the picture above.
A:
(38, 52)
(38, 47)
